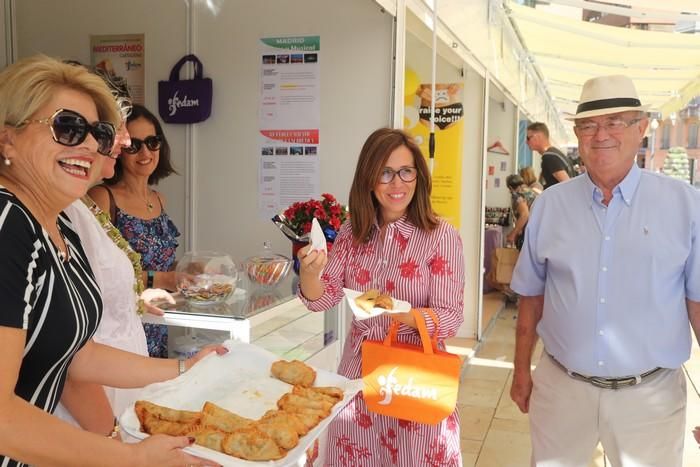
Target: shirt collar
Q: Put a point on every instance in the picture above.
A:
(402, 225)
(626, 188)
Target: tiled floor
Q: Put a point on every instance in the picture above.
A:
(495, 433)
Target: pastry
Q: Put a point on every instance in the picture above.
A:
(294, 372)
(366, 301)
(384, 301)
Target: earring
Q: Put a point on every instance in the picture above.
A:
(7, 161)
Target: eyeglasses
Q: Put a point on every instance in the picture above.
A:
(407, 174)
(69, 128)
(152, 142)
(613, 127)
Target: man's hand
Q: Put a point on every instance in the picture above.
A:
(520, 390)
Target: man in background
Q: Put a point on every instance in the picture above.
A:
(556, 167)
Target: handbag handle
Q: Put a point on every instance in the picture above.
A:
(198, 67)
(429, 344)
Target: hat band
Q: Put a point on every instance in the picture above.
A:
(608, 104)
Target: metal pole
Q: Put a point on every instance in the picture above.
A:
(431, 142)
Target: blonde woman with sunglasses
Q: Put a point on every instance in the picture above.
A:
(58, 120)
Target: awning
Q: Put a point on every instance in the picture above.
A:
(664, 66)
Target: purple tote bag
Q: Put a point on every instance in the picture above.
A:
(185, 101)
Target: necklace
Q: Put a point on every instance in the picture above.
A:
(149, 205)
(62, 255)
(116, 236)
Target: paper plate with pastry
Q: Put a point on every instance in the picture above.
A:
(373, 302)
(245, 408)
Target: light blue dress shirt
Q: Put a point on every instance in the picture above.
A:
(614, 278)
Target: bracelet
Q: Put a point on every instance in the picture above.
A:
(181, 368)
(114, 434)
(150, 275)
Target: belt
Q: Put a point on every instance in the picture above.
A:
(606, 383)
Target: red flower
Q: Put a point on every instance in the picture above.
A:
(401, 241)
(390, 286)
(408, 425)
(393, 450)
(363, 277)
(438, 266)
(409, 269)
(452, 423)
(363, 420)
(327, 210)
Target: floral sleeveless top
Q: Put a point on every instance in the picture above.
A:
(155, 239)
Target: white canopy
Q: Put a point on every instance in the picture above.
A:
(664, 66)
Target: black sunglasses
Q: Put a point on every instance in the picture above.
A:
(152, 142)
(69, 128)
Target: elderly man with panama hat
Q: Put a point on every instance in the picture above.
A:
(609, 279)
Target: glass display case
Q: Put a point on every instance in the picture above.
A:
(271, 317)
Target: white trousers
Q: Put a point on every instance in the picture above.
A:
(640, 425)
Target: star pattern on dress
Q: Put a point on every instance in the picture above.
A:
(363, 277)
(409, 270)
(401, 241)
(439, 266)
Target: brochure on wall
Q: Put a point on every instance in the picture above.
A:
(122, 56)
(449, 135)
(290, 117)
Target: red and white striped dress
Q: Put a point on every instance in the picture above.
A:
(427, 270)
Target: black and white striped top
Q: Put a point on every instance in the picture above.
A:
(58, 304)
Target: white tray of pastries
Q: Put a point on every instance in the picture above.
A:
(236, 402)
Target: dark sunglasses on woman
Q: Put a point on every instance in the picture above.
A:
(152, 142)
(69, 128)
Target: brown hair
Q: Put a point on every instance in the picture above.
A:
(164, 167)
(363, 204)
(539, 127)
(528, 175)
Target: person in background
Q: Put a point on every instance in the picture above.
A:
(528, 174)
(138, 211)
(609, 284)
(58, 120)
(394, 242)
(556, 167)
(521, 200)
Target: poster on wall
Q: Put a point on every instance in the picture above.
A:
(449, 135)
(289, 121)
(122, 57)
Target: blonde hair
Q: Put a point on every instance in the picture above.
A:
(528, 175)
(29, 84)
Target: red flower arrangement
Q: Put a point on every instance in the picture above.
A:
(329, 212)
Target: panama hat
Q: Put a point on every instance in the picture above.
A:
(607, 95)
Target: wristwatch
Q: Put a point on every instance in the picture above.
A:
(181, 368)
(150, 275)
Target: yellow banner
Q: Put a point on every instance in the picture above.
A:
(449, 139)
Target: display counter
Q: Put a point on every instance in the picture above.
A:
(271, 317)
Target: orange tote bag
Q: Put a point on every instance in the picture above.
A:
(417, 383)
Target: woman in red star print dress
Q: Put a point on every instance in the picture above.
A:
(395, 243)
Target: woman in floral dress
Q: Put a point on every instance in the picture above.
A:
(394, 242)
